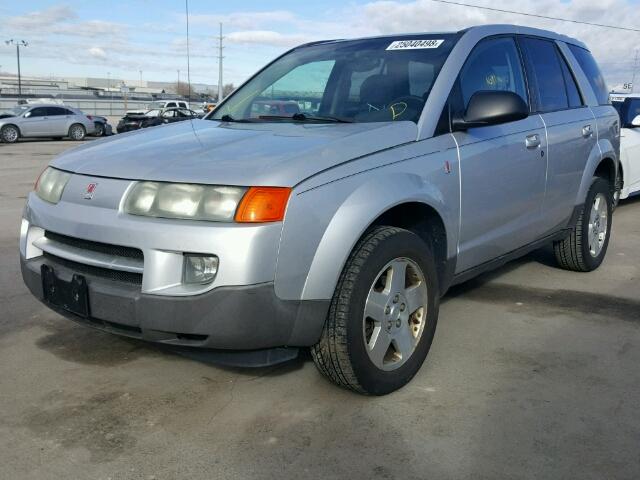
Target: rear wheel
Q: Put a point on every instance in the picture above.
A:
(99, 129)
(383, 314)
(9, 134)
(77, 132)
(585, 248)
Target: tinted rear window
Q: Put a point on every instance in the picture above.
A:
(593, 73)
(545, 75)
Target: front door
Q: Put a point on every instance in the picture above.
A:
(34, 123)
(503, 167)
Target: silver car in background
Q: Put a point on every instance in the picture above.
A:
(414, 162)
(41, 120)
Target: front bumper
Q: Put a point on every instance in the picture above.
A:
(236, 318)
(134, 272)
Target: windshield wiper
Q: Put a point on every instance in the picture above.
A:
(228, 118)
(301, 117)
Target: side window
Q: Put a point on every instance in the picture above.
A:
(170, 105)
(546, 80)
(493, 65)
(55, 111)
(38, 112)
(593, 73)
(182, 105)
(575, 99)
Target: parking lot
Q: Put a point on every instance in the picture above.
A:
(534, 373)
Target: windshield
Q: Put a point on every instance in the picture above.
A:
(370, 80)
(15, 111)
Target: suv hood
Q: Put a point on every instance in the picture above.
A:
(259, 154)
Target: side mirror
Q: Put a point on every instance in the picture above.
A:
(636, 121)
(488, 107)
(27, 115)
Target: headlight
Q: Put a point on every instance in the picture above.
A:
(51, 183)
(182, 200)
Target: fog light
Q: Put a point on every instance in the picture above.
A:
(200, 268)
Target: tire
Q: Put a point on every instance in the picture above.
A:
(99, 130)
(10, 134)
(344, 353)
(618, 189)
(586, 246)
(77, 132)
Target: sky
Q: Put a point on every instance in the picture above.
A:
(123, 38)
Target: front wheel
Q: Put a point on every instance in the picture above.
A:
(9, 134)
(584, 249)
(77, 132)
(383, 314)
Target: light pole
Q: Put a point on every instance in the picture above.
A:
(140, 72)
(110, 93)
(178, 85)
(18, 44)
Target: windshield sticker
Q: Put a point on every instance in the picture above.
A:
(414, 44)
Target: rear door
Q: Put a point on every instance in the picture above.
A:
(58, 121)
(503, 167)
(571, 128)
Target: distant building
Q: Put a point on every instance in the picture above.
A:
(82, 87)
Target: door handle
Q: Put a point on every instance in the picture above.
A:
(532, 141)
(587, 131)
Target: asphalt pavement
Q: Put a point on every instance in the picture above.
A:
(534, 373)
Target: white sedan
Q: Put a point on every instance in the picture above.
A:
(629, 110)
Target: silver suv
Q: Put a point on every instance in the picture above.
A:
(54, 121)
(414, 163)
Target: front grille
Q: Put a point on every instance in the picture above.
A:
(117, 250)
(115, 275)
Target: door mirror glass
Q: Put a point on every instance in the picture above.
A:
(636, 121)
(491, 108)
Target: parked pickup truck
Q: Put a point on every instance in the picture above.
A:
(425, 160)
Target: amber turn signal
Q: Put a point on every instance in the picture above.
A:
(263, 204)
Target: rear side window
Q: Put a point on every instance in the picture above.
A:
(593, 73)
(575, 99)
(54, 111)
(493, 65)
(546, 80)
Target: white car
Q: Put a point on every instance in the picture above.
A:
(161, 105)
(629, 109)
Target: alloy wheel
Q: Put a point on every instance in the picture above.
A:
(598, 224)
(395, 313)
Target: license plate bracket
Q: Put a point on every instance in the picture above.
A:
(72, 296)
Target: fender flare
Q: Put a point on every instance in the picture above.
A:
(601, 151)
(357, 213)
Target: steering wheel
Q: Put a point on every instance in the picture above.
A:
(399, 106)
